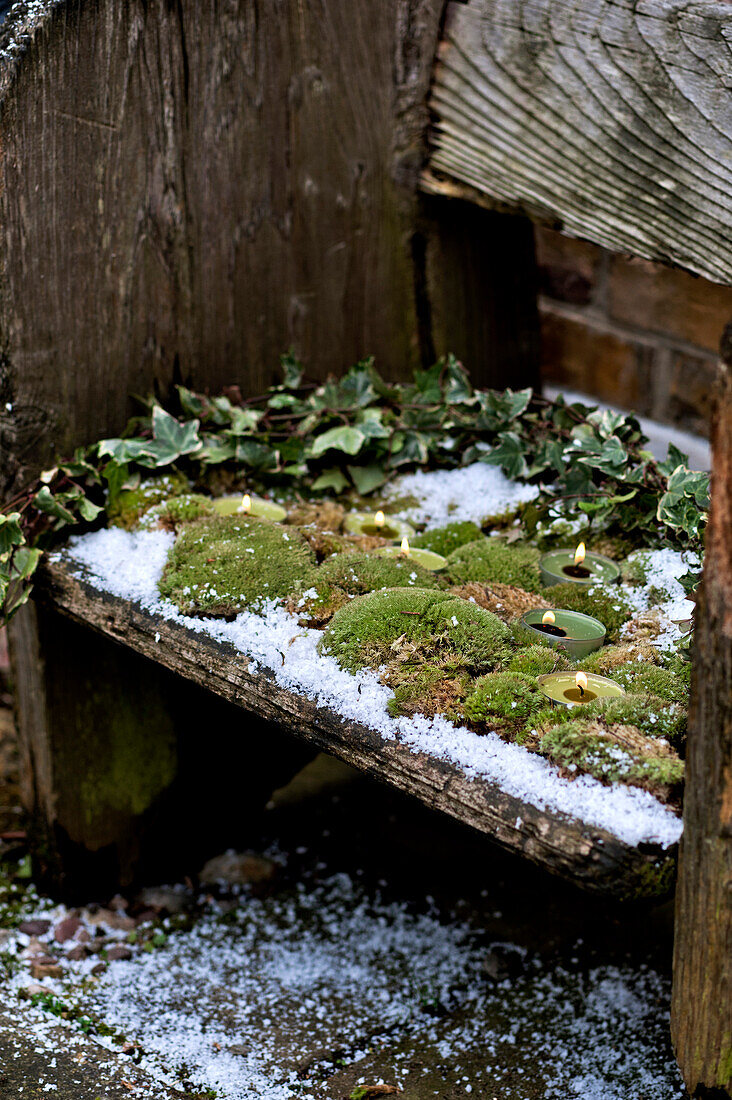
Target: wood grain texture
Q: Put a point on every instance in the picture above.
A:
(594, 858)
(608, 119)
(701, 1011)
(187, 189)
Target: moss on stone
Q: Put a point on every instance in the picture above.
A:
(655, 717)
(538, 660)
(371, 630)
(176, 512)
(129, 505)
(445, 540)
(487, 560)
(614, 753)
(227, 564)
(607, 603)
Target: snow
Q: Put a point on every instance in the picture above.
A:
(455, 496)
(129, 564)
(252, 1001)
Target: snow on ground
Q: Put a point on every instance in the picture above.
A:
(129, 565)
(256, 998)
(456, 496)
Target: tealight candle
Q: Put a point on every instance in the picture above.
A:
(577, 566)
(377, 524)
(250, 506)
(426, 558)
(570, 631)
(572, 689)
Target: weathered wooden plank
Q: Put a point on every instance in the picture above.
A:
(610, 120)
(591, 856)
(701, 1009)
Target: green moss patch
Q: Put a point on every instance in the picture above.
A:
(642, 678)
(487, 560)
(504, 699)
(615, 753)
(371, 630)
(609, 658)
(129, 505)
(538, 660)
(607, 603)
(355, 574)
(228, 564)
(176, 512)
(445, 540)
(655, 717)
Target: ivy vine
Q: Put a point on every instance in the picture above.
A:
(354, 434)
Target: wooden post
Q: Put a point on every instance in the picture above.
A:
(701, 1012)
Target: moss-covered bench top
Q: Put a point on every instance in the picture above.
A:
(437, 659)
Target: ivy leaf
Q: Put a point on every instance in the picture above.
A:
(260, 456)
(191, 403)
(409, 447)
(171, 439)
(427, 384)
(292, 371)
(367, 478)
(356, 388)
(88, 509)
(10, 532)
(457, 389)
(509, 455)
(51, 506)
(243, 420)
(333, 479)
(348, 440)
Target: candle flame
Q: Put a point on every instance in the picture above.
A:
(581, 682)
(379, 519)
(246, 504)
(579, 554)
(548, 618)
(405, 546)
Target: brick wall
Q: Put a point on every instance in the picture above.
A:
(632, 333)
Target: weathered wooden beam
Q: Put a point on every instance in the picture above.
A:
(608, 119)
(593, 857)
(701, 1011)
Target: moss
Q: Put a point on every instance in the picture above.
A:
(355, 574)
(679, 666)
(649, 880)
(129, 505)
(609, 658)
(227, 564)
(538, 660)
(444, 540)
(370, 629)
(176, 512)
(642, 678)
(614, 753)
(655, 717)
(426, 688)
(607, 603)
(504, 697)
(487, 560)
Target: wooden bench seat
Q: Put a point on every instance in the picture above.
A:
(593, 857)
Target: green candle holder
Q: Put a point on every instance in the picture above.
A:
(258, 508)
(562, 689)
(364, 523)
(574, 633)
(559, 565)
(426, 558)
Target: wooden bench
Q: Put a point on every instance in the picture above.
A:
(184, 190)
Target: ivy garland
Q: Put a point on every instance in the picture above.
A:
(354, 434)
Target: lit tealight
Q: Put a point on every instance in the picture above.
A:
(246, 504)
(548, 618)
(579, 554)
(379, 519)
(581, 682)
(404, 549)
